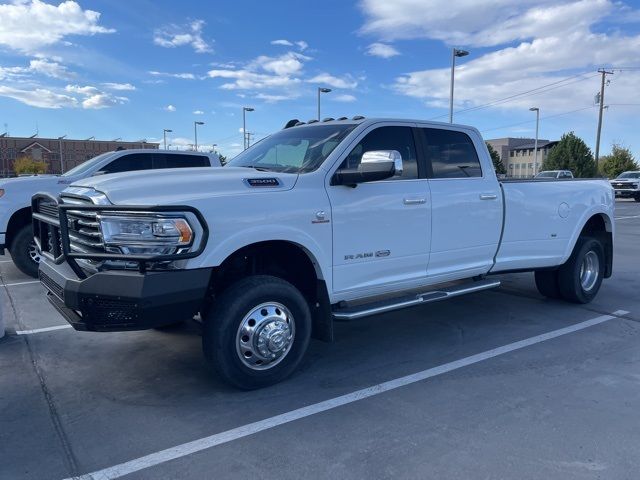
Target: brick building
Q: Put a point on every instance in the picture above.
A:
(518, 154)
(74, 152)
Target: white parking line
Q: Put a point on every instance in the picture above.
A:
(6, 261)
(630, 216)
(185, 449)
(21, 283)
(45, 329)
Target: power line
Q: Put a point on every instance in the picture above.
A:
(534, 91)
(541, 118)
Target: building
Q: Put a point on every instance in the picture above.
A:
(57, 154)
(518, 155)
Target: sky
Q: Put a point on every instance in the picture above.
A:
(115, 69)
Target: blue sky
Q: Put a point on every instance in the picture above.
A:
(129, 69)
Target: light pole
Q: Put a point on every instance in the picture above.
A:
(164, 135)
(195, 134)
(60, 147)
(321, 90)
(535, 145)
(454, 53)
(213, 147)
(244, 124)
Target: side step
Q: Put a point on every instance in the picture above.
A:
(382, 306)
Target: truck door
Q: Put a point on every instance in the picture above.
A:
(381, 230)
(466, 205)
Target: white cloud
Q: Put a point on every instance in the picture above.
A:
(119, 86)
(269, 98)
(27, 26)
(283, 42)
(170, 108)
(382, 50)
(198, 112)
(49, 68)
(39, 97)
(301, 44)
(535, 43)
(102, 100)
(86, 90)
(183, 76)
(40, 66)
(336, 82)
(264, 72)
(172, 36)
(344, 98)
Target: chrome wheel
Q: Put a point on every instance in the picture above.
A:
(33, 253)
(589, 270)
(265, 336)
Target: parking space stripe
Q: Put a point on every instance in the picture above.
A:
(189, 448)
(625, 218)
(21, 283)
(40, 330)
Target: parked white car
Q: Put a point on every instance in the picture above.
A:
(15, 193)
(329, 220)
(555, 174)
(627, 185)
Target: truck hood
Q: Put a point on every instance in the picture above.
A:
(180, 185)
(21, 189)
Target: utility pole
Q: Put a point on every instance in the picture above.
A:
(601, 100)
(535, 145)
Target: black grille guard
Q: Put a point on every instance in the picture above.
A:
(53, 233)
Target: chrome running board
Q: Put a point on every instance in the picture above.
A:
(389, 305)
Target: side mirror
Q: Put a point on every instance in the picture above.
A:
(374, 165)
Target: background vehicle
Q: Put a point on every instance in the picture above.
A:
(16, 193)
(555, 174)
(336, 219)
(627, 185)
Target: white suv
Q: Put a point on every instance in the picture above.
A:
(627, 185)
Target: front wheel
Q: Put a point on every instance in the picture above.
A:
(256, 332)
(580, 277)
(24, 253)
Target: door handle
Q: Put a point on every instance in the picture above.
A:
(414, 201)
(488, 196)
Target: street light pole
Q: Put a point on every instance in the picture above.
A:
(244, 125)
(195, 134)
(535, 145)
(164, 135)
(321, 90)
(454, 53)
(60, 147)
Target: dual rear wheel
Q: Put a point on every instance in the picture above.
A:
(580, 278)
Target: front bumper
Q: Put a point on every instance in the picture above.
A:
(119, 300)
(626, 192)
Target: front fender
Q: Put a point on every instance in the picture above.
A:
(605, 212)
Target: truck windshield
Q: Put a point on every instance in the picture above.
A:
(84, 167)
(293, 150)
(629, 175)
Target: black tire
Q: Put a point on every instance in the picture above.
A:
(637, 198)
(222, 339)
(21, 252)
(547, 283)
(570, 275)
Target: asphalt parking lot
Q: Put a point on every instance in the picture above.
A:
(498, 384)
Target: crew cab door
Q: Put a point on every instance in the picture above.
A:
(466, 204)
(381, 229)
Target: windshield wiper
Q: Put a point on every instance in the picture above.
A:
(260, 169)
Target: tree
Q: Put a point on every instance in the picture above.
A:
(571, 153)
(619, 160)
(497, 162)
(26, 164)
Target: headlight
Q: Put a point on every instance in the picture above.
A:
(146, 233)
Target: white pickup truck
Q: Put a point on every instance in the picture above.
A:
(328, 220)
(627, 185)
(16, 193)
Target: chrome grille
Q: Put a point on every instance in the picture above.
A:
(84, 230)
(624, 186)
